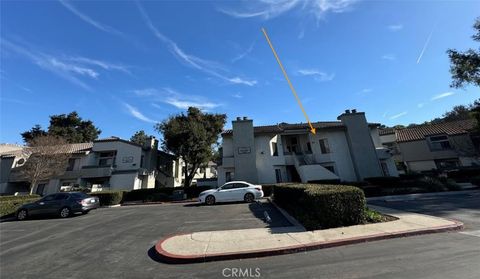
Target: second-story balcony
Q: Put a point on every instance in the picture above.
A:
(96, 171)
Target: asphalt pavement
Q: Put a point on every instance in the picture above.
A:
(117, 243)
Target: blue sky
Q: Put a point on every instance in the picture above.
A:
(126, 65)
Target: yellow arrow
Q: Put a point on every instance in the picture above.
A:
(288, 80)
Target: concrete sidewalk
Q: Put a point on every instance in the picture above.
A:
(235, 244)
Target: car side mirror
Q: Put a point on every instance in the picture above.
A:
(218, 190)
(41, 203)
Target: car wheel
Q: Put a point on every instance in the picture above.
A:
(65, 212)
(85, 212)
(22, 214)
(249, 197)
(210, 200)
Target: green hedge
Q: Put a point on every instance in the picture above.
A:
(109, 197)
(322, 206)
(10, 204)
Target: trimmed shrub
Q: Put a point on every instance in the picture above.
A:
(431, 184)
(267, 189)
(322, 206)
(109, 197)
(194, 191)
(10, 204)
(146, 194)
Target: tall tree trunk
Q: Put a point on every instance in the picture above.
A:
(32, 185)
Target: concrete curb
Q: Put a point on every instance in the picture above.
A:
(287, 216)
(411, 197)
(110, 206)
(168, 257)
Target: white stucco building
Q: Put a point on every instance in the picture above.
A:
(441, 146)
(345, 150)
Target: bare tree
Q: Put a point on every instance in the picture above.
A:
(47, 157)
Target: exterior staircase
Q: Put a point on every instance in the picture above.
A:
(309, 170)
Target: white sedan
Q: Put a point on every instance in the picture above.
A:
(232, 191)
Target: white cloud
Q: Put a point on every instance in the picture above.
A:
(243, 54)
(420, 105)
(176, 99)
(395, 27)
(366, 90)
(316, 74)
(137, 114)
(88, 19)
(102, 64)
(427, 42)
(237, 95)
(267, 9)
(209, 67)
(51, 64)
(398, 115)
(442, 95)
(390, 57)
(67, 67)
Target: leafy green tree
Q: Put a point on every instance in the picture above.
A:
(465, 66)
(36, 131)
(140, 137)
(70, 127)
(191, 137)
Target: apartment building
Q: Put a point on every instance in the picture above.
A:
(347, 150)
(440, 146)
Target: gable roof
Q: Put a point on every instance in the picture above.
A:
(282, 127)
(386, 131)
(422, 131)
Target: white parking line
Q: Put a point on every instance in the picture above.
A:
(472, 233)
(209, 221)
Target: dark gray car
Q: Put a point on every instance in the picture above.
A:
(61, 204)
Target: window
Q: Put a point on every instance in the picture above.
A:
(107, 159)
(142, 159)
(71, 164)
(61, 197)
(324, 147)
(49, 197)
(331, 168)
(20, 162)
(274, 149)
(447, 163)
(240, 185)
(228, 186)
(278, 175)
(439, 143)
(40, 188)
(228, 176)
(309, 147)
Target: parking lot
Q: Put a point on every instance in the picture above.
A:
(115, 242)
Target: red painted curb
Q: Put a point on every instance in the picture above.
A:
(182, 259)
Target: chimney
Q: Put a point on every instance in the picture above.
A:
(245, 118)
(361, 145)
(239, 118)
(347, 111)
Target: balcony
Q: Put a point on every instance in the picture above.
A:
(96, 171)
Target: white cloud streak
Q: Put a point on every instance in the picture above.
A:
(398, 115)
(137, 114)
(89, 20)
(316, 74)
(420, 105)
(243, 54)
(442, 95)
(176, 99)
(389, 57)
(268, 9)
(69, 68)
(427, 42)
(395, 27)
(209, 67)
(51, 64)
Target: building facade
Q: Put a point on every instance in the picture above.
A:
(344, 150)
(440, 146)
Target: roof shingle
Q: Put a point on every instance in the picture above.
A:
(449, 128)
